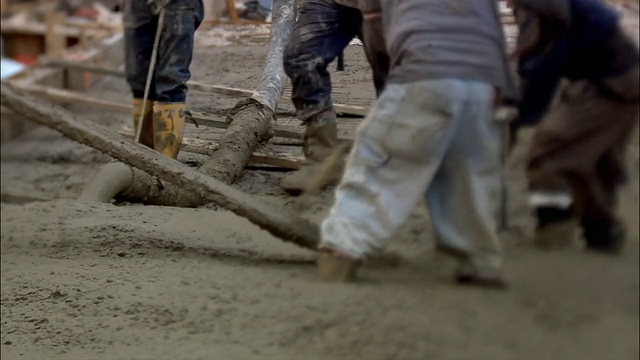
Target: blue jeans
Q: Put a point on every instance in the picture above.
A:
(261, 6)
(321, 33)
(175, 51)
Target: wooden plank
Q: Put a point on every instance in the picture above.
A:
(36, 28)
(202, 119)
(55, 42)
(279, 221)
(198, 86)
(264, 155)
(215, 21)
(233, 12)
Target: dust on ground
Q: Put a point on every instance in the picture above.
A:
(137, 282)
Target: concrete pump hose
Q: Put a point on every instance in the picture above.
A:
(110, 180)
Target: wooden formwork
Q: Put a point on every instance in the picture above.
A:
(108, 52)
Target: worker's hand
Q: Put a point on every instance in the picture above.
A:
(157, 5)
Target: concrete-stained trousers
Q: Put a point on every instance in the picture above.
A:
(432, 140)
(323, 30)
(580, 148)
(175, 51)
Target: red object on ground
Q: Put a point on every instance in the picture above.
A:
(29, 60)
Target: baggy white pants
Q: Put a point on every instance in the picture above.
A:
(435, 139)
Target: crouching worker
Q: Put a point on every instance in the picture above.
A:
(430, 135)
(577, 157)
(164, 113)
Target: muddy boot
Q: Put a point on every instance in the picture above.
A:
(468, 274)
(146, 136)
(168, 126)
(320, 143)
(605, 239)
(334, 267)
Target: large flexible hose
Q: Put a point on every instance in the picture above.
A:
(109, 181)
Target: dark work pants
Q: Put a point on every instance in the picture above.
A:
(322, 32)
(175, 51)
(580, 146)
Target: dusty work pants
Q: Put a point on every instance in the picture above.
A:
(175, 51)
(578, 153)
(323, 30)
(431, 139)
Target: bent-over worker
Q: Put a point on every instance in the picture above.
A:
(430, 136)
(577, 157)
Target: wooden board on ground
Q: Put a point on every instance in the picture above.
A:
(198, 86)
(272, 155)
(202, 119)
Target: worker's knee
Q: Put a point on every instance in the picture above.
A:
(301, 57)
(175, 50)
(173, 70)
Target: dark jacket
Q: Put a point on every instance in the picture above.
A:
(572, 39)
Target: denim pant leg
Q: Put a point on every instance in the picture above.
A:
(182, 19)
(139, 32)
(464, 196)
(262, 6)
(321, 33)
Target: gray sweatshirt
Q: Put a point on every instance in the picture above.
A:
(435, 39)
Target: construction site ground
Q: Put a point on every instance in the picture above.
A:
(127, 281)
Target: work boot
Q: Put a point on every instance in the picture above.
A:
(605, 239)
(168, 126)
(320, 142)
(335, 267)
(146, 136)
(468, 274)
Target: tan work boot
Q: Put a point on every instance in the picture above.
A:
(558, 234)
(320, 143)
(146, 136)
(333, 267)
(168, 127)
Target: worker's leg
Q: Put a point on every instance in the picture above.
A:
(139, 31)
(374, 44)
(397, 151)
(580, 145)
(321, 33)
(175, 52)
(257, 10)
(264, 6)
(464, 197)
